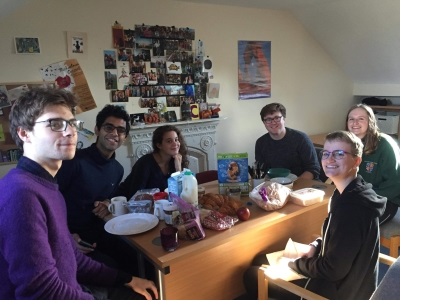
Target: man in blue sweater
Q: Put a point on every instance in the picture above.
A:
(38, 256)
(88, 182)
(283, 147)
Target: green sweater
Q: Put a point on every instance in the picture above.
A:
(382, 169)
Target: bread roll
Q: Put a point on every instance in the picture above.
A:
(221, 203)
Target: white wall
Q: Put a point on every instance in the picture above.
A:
(304, 78)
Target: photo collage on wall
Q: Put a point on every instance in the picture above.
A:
(154, 71)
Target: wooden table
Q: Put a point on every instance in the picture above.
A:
(213, 268)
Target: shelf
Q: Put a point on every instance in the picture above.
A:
(387, 108)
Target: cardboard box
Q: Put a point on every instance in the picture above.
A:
(233, 172)
(175, 183)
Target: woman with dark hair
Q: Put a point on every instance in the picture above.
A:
(381, 157)
(152, 170)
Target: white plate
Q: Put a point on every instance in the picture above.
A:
(131, 224)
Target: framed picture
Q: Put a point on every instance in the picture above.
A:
(27, 45)
(77, 43)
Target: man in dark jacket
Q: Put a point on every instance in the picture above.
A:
(88, 182)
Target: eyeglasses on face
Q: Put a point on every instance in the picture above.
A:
(275, 119)
(60, 125)
(337, 154)
(109, 128)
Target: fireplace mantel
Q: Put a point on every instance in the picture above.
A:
(200, 136)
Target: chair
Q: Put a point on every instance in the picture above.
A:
(390, 235)
(206, 176)
(387, 290)
(389, 287)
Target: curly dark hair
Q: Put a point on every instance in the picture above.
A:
(158, 139)
(272, 108)
(110, 110)
(31, 105)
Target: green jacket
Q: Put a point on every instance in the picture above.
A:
(382, 169)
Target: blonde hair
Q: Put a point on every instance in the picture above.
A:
(372, 137)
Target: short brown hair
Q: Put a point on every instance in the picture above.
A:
(31, 105)
(347, 137)
(272, 108)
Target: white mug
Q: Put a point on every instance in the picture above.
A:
(158, 209)
(118, 206)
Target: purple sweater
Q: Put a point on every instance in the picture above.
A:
(38, 256)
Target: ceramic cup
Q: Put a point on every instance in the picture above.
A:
(256, 182)
(169, 238)
(158, 208)
(118, 206)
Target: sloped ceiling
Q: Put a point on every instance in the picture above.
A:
(362, 36)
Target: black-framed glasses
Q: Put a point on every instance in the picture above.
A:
(60, 125)
(109, 128)
(337, 154)
(275, 119)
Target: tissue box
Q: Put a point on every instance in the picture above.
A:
(307, 196)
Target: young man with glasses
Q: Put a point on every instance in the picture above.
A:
(38, 256)
(283, 147)
(88, 182)
(342, 264)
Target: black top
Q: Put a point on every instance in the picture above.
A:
(346, 267)
(87, 178)
(145, 174)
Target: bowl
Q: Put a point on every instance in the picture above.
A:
(282, 180)
(278, 172)
(285, 181)
(142, 206)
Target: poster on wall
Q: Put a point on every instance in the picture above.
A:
(77, 43)
(27, 45)
(69, 75)
(254, 69)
